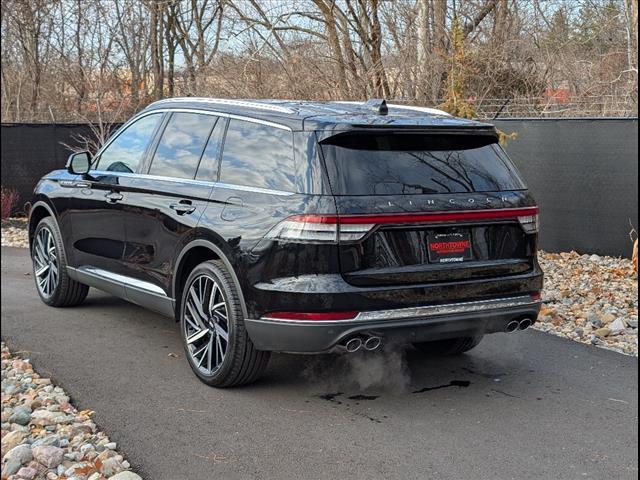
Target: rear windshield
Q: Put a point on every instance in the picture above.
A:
(402, 164)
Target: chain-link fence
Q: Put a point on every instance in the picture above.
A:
(617, 106)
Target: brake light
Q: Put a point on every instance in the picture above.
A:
(351, 228)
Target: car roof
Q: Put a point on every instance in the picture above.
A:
(316, 115)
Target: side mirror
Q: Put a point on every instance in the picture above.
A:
(79, 163)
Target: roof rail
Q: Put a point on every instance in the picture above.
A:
(433, 111)
(229, 101)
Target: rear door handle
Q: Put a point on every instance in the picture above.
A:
(113, 197)
(183, 207)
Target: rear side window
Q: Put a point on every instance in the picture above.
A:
(256, 155)
(181, 145)
(126, 151)
(401, 164)
(208, 168)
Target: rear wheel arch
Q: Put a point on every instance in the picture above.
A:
(193, 254)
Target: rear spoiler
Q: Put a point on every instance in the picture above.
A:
(478, 129)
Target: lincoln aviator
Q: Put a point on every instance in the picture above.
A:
(292, 226)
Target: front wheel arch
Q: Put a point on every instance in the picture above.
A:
(37, 212)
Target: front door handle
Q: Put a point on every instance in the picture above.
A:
(113, 197)
(183, 207)
(75, 184)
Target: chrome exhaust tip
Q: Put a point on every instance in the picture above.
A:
(353, 345)
(512, 326)
(372, 343)
(524, 324)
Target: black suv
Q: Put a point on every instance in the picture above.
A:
(295, 227)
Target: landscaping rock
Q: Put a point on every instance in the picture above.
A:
(586, 295)
(44, 436)
(48, 456)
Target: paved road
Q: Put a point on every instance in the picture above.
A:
(520, 406)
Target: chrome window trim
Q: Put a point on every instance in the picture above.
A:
(206, 183)
(422, 312)
(244, 188)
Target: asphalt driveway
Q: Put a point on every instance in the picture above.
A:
(520, 406)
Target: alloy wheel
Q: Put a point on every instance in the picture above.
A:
(206, 324)
(45, 262)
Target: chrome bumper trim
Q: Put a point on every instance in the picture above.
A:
(424, 312)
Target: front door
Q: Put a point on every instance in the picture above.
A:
(94, 215)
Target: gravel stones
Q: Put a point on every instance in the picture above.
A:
(48, 456)
(21, 416)
(14, 232)
(45, 437)
(126, 475)
(591, 299)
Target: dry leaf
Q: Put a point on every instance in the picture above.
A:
(172, 355)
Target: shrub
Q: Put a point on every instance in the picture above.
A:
(9, 201)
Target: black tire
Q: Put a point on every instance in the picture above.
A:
(242, 363)
(450, 346)
(66, 292)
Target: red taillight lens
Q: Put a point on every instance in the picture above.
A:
(311, 316)
(352, 228)
(536, 296)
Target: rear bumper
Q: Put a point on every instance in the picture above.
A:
(405, 325)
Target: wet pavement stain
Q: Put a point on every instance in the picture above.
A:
(504, 393)
(482, 374)
(363, 397)
(452, 383)
(331, 397)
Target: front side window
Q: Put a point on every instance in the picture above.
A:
(256, 155)
(126, 152)
(181, 145)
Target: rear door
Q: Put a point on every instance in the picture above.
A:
(428, 207)
(167, 200)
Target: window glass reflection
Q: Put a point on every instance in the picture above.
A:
(181, 145)
(125, 153)
(256, 155)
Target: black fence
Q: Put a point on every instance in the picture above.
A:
(29, 150)
(583, 172)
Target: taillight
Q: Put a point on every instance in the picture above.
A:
(529, 223)
(318, 229)
(352, 228)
